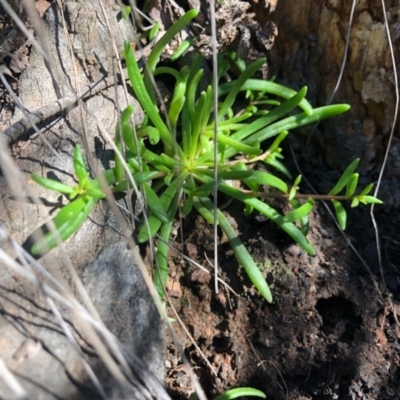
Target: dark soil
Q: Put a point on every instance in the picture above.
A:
(331, 332)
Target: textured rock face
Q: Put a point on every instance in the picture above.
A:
(309, 51)
(49, 358)
(120, 296)
(47, 365)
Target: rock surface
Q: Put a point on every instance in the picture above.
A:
(33, 342)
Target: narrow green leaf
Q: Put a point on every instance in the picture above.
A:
(240, 147)
(52, 184)
(125, 12)
(251, 184)
(263, 123)
(294, 122)
(187, 206)
(191, 93)
(341, 214)
(205, 212)
(154, 222)
(237, 85)
(190, 183)
(79, 164)
(225, 174)
(186, 129)
(369, 200)
(152, 133)
(344, 179)
(355, 202)
(129, 139)
(145, 232)
(297, 181)
(180, 84)
(251, 109)
(292, 193)
(184, 46)
(277, 141)
(241, 253)
(255, 129)
(161, 271)
(366, 190)
(203, 191)
(271, 213)
(259, 85)
(241, 392)
(168, 36)
(143, 177)
(119, 168)
(304, 222)
(69, 219)
(168, 178)
(126, 114)
(154, 203)
(200, 109)
(208, 107)
(145, 100)
(300, 212)
(231, 121)
(164, 164)
(176, 201)
(223, 66)
(133, 162)
(264, 178)
(248, 209)
(154, 30)
(70, 211)
(175, 110)
(352, 185)
(97, 194)
(167, 160)
(278, 166)
(241, 64)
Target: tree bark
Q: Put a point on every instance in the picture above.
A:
(309, 51)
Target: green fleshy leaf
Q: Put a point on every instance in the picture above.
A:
(369, 200)
(154, 203)
(154, 31)
(264, 178)
(205, 207)
(344, 179)
(352, 185)
(79, 164)
(299, 212)
(68, 220)
(366, 190)
(341, 214)
(52, 184)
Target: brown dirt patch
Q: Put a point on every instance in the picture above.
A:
(328, 334)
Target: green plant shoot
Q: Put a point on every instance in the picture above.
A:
(172, 157)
